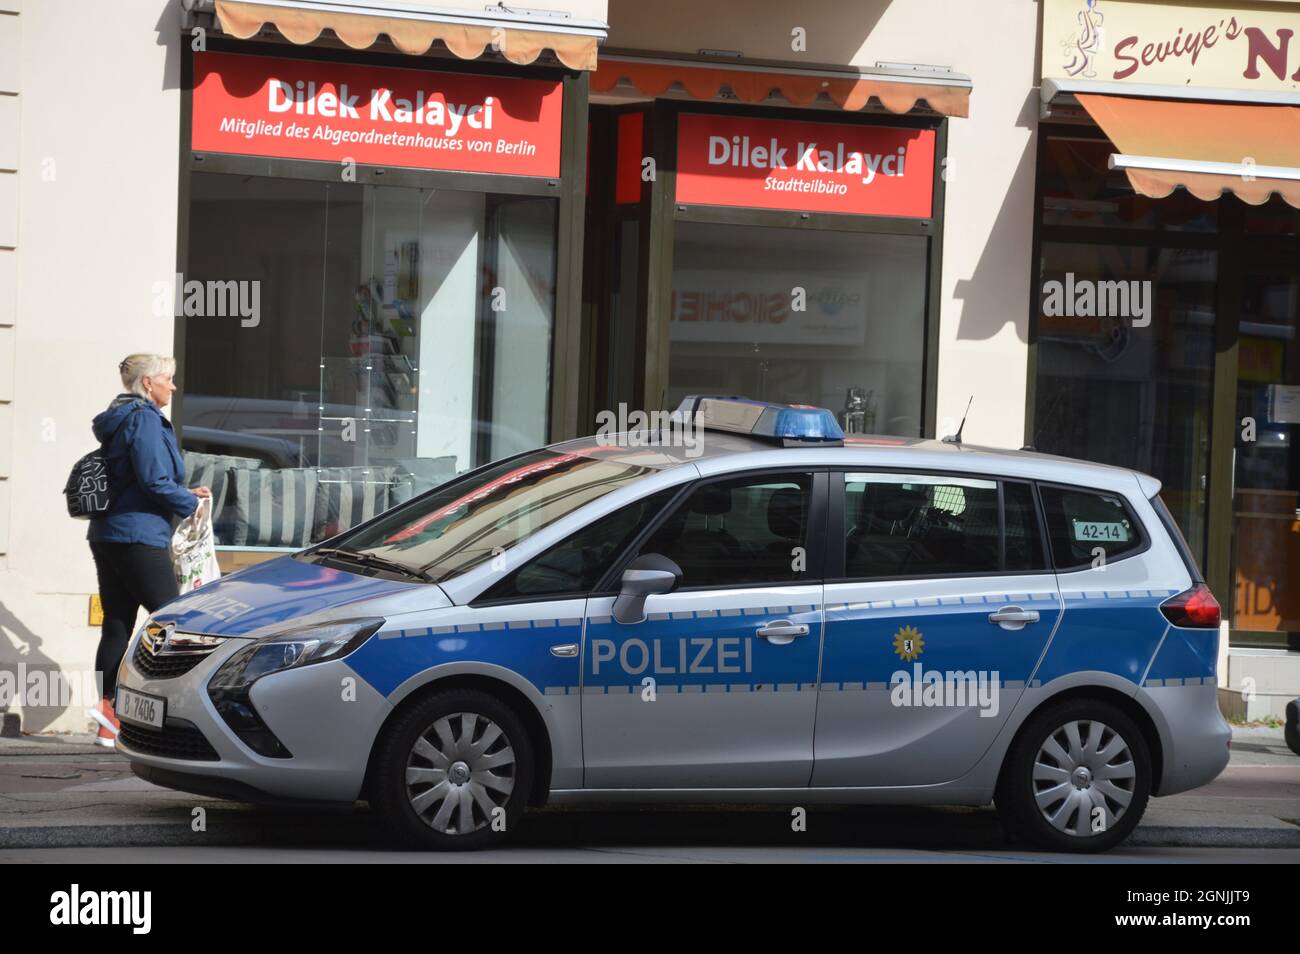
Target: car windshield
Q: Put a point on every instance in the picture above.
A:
(470, 520)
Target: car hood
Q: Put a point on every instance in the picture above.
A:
(286, 592)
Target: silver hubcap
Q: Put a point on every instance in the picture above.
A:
(1084, 766)
(460, 770)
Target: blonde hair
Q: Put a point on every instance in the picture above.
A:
(136, 367)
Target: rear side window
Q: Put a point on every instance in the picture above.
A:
(1088, 525)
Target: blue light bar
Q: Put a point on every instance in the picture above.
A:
(781, 422)
(799, 422)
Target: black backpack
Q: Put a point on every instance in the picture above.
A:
(87, 491)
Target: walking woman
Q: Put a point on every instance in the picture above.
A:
(146, 480)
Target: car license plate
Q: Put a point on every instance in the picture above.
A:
(139, 708)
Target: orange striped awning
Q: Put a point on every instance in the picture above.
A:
(851, 91)
(466, 34)
(1209, 148)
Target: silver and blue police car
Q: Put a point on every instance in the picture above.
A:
(746, 608)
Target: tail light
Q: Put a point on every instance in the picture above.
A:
(1196, 608)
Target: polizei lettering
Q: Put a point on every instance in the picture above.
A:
(689, 655)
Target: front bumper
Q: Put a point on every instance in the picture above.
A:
(324, 714)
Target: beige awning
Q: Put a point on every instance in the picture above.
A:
(519, 37)
(1208, 149)
(897, 89)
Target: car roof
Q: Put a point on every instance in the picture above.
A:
(719, 452)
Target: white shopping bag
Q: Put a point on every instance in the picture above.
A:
(194, 550)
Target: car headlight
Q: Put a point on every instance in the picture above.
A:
(290, 650)
(229, 687)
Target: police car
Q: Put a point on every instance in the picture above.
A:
(759, 611)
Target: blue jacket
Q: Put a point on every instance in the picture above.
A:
(146, 475)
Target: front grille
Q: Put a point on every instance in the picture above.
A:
(164, 667)
(178, 739)
(149, 661)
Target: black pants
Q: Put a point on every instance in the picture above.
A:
(131, 575)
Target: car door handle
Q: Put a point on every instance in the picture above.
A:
(1013, 617)
(782, 631)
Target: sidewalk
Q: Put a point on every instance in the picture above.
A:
(63, 791)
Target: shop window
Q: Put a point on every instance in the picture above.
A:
(1134, 395)
(402, 336)
(1078, 189)
(800, 316)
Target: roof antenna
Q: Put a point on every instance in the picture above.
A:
(956, 438)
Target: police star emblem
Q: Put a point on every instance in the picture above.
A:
(908, 643)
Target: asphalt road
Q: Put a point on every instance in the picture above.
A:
(637, 854)
(62, 801)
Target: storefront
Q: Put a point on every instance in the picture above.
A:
(395, 239)
(1169, 171)
(354, 324)
(399, 235)
(769, 231)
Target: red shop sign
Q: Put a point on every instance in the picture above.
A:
(311, 109)
(814, 167)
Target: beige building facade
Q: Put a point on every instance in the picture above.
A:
(112, 187)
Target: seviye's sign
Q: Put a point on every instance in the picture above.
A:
(341, 112)
(813, 167)
(1229, 45)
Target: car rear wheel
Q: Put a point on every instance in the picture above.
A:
(453, 772)
(1077, 778)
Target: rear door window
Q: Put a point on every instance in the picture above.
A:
(900, 525)
(1024, 537)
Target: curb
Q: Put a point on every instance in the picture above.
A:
(169, 834)
(1169, 836)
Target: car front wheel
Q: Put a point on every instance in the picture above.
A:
(1077, 778)
(453, 771)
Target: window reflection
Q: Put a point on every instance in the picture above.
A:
(404, 338)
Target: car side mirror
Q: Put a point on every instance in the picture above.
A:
(647, 575)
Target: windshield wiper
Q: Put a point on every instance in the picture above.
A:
(371, 559)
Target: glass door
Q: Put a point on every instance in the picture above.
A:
(1266, 490)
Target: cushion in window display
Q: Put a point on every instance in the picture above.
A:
(347, 496)
(214, 471)
(273, 508)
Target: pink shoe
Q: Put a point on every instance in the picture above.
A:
(109, 726)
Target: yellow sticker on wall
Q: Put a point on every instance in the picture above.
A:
(908, 643)
(96, 611)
